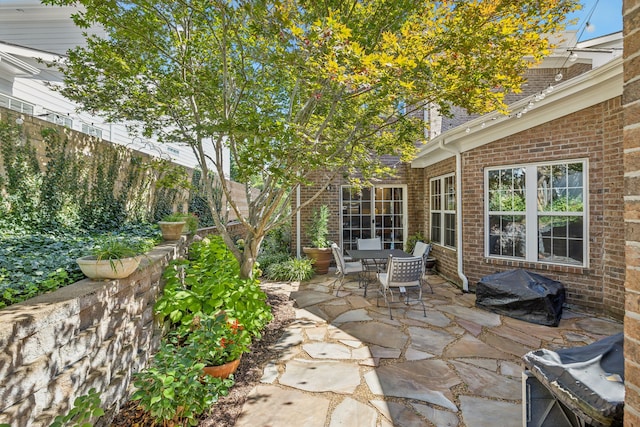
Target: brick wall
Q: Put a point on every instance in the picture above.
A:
(57, 346)
(595, 134)
(631, 146)
(446, 258)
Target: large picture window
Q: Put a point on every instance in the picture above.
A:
(443, 210)
(537, 212)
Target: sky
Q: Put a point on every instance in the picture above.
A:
(605, 19)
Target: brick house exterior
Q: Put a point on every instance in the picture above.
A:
(580, 119)
(631, 149)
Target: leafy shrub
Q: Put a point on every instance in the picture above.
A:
(174, 389)
(209, 282)
(412, 240)
(293, 269)
(267, 259)
(277, 240)
(85, 410)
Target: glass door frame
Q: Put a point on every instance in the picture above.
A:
(359, 218)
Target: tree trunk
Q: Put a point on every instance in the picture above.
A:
(249, 256)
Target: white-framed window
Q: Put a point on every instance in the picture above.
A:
(442, 205)
(92, 130)
(537, 212)
(58, 119)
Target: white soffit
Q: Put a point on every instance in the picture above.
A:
(17, 66)
(585, 90)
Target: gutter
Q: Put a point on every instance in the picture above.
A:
(465, 280)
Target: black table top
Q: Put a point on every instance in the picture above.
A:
(377, 253)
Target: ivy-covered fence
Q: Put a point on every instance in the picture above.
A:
(53, 178)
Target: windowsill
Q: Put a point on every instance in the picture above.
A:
(564, 268)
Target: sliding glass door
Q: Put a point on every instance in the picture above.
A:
(374, 212)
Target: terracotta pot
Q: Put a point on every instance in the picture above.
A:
(103, 269)
(222, 371)
(171, 230)
(322, 257)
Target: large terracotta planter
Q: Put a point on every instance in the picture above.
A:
(322, 258)
(171, 230)
(222, 371)
(108, 269)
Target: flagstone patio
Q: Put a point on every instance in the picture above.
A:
(343, 362)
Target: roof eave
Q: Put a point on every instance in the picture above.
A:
(585, 90)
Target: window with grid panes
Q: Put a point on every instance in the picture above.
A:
(536, 212)
(443, 210)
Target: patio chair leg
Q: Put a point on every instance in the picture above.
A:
(340, 285)
(423, 281)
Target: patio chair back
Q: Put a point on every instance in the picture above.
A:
(403, 272)
(404, 275)
(422, 249)
(337, 256)
(369, 244)
(344, 268)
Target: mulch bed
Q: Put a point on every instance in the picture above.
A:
(227, 410)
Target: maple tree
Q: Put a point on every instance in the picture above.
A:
(293, 87)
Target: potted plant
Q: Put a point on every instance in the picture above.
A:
(218, 343)
(111, 259)
(191, 223)
(172, 226)
(317, 232)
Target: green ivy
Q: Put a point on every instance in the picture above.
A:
(37, 263)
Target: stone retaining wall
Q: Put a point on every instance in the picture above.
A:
(57, 346)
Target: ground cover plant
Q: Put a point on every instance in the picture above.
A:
(57, 206)
(34, 263)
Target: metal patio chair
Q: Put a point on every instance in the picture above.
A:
(403, 275)
(422, 249)
(374, 265)
(344, 268)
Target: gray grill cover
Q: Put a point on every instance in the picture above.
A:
(522, 295)
(588, 379)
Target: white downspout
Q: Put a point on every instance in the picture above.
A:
(298, 228)
(465, 281)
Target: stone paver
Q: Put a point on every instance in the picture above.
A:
(376, 333)
(426, 380)
(344, 362)
(437, 416)
(428, 340)
(312, 375)
(478, 412)
(350, 413)
(488, 384)
(398, 414)
(325, 350)
(276, 406)
(469, 346)
(359, 315)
